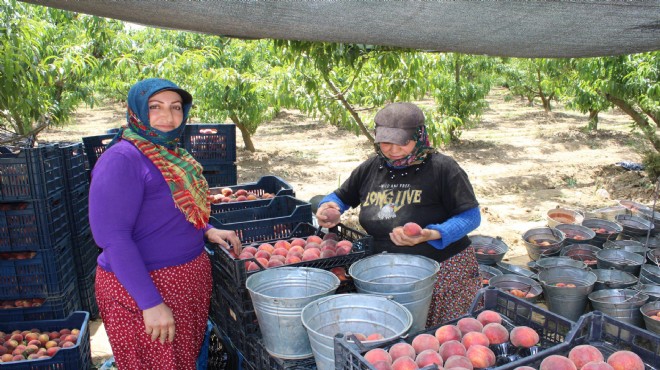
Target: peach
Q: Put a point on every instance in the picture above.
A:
(328, 253)
(496, 333)
(428, 357)
(282, 244)
(402, 349)
(344, 243)
(423, 342)
(262, 254)
(313, 246)
(8, 357)
(451, 348)
(67, 344)
(377, 354)
(556, 362)
(297, 249)
(262, 261)
(3, 350)
(457, 361)
(473, 338)
(329, 243)
(486, 317)
(309, 255)
(54, 334)
(343, 250)
(251, 266)
(412, 229)
(52, 351)
(300, 242)
(597, 365)
(31, 348)
(625, 360)
(17, 337)
(280, 251)
(50, 343)
(404, 363)
(359, 336)
(277, 257)
(34, 342)
(314, 239)
(468, 324)
(481, 356)
(332, 215)
(275, 263)
(30, 336)
(582, 354)
(524, 368)
(329, 248)
(331, 236)
(18, 358)
(292, 259)
(266, 247)
(447, 332)
(382, 365)
(524, 336)
(374, 336)
(245, 255)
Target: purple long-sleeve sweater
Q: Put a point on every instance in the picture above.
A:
(134, 219)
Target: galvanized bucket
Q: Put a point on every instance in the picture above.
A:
(621, 304)
(487, 249)
(508, 268)
(508, 282)
(620, 260)
(558, 216)
(605, 230)
(651, 290)
(543, 241)
(550, 262)
(628, 246)
(278, 296)
(576, 234)
(351, 313)
(569, 302)
(649, 274)
(613, 279)
(487, 273)
(651, 308)
(407, 278)
(634, 225)
(581, 252)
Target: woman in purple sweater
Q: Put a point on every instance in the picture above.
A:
(149, 212)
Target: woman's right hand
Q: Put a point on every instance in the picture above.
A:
(159, 323)
(323, 219)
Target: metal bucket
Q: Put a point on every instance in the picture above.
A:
(488, 250)
(653, 256)
(508, 268)
(564, 216)
(564, 301)
(649, 274)
(620, 260)
(487, 273)
(581, 252)
(613, 279)
(278, 296)
(633, 207)
(509, 282)
(605, 230)
(628, 246)
(351, 313)
(407, 278)
(634, 225)
(543, 241)
(651, 216)
(550, 262)
(651, 290)
(607, 213)
(576, 234)
(651, 308)
(621, 304)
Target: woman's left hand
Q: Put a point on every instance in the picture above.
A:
(400, 239)
(225, 238)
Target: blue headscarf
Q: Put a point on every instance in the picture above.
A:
(137, 114)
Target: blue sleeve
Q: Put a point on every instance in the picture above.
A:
(455, 227)
(332, 197)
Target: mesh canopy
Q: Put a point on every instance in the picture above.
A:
(560, 28)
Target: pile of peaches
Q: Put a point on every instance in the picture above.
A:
(227, 195)
(21, 303)
(35, 344)
(587, 357)
(11, 256)
(464, 345)
(285, 252)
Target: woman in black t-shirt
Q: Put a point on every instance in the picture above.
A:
(409, 181)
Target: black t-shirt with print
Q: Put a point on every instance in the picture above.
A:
(428, 193)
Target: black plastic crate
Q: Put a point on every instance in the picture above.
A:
(222, 354)
(38, 274)
(210, 143)
(220, 175)
(266, 184)
(235, 273)
(73, 157)
(248, 215)
(85, 253)
(553, 329)
(32, 173)
(77, 207)
(235, 323)
(54, 307)
(33, 225)
(87, 291)
(76, 357)
(95, 146)
(258, 357)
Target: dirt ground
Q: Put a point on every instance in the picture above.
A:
(522, 162)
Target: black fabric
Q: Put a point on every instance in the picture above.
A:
(428, 193)
(560, 28)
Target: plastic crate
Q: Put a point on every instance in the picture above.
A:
(244, 215)
(77, 357)
(77, 207)
(95, 146)
(32, 173)
(223, 355)
(258, 357)
(553, 329)
(55, 307)
(73, 157)
(211, 144)
(87, 291)
(33, 225)
(235, 323)
(608, 335)
(220, 175)
(85, 253)
(234, 272)
(46, 274)
(266, 184)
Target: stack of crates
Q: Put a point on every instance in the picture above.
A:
(214, 147)
(85, 252)
(36, 279)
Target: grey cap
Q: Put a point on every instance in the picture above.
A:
(397, 123)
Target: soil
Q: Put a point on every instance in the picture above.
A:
(521, 161)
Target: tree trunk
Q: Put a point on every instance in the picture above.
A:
(593, 120)
(340, 96)
(544, 99)
(638, 118)
(247, 138)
